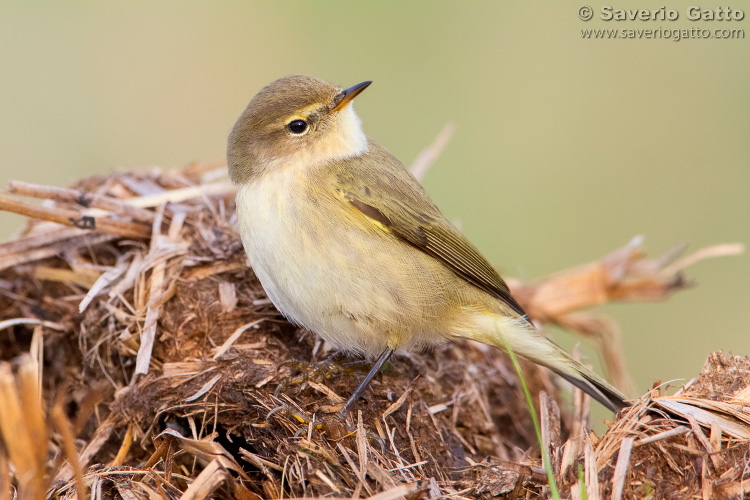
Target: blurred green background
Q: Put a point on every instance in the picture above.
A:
(565, 147)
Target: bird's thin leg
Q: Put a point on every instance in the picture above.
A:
(359, 390)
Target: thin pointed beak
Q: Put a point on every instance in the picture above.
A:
(345, 96)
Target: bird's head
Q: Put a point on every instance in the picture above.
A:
(295, 120)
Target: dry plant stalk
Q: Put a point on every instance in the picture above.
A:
(623, 275)
(23, 428)
(74, 218)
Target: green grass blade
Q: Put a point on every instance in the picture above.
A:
(545, 453)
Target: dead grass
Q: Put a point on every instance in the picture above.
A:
(141, 359)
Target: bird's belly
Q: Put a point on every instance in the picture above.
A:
(353, 287)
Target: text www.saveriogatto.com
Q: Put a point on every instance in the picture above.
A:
(719, 23)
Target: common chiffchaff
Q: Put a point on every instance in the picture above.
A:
(347, 243)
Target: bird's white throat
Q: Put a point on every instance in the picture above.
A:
(349, 139)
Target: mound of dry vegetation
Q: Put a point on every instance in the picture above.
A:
(141, 359)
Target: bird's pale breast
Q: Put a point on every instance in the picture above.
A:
(328, 269)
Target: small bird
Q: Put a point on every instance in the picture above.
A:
(347, 243)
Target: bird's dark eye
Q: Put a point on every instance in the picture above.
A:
(297, 126)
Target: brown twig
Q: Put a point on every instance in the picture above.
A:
(82, 198)
(428, 156)
(73, 218)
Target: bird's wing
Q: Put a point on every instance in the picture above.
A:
(395, 201)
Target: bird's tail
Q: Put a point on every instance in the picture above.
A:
(527, 342)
